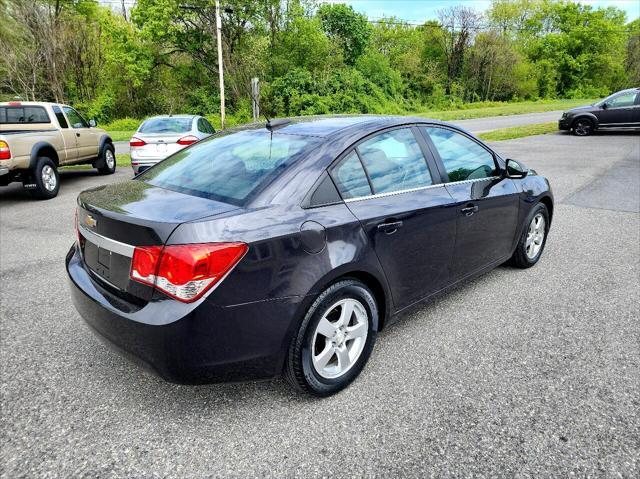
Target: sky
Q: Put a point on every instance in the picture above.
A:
(420, 10)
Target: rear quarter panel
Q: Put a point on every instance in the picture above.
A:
(22, 146)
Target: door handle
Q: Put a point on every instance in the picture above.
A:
(390, 228)
(78, 135)
(469, 210)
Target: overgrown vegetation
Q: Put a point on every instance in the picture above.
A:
(311, 58)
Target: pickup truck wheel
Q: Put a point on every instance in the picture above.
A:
(109, 160)
(46, 179)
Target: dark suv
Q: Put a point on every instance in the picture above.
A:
(620, 111)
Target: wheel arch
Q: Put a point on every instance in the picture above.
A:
(370, 279)
(548, 202)
(588, 116)
(42, 148)
(104, 141)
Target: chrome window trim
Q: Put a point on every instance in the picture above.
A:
(107, 243)
(411, 190)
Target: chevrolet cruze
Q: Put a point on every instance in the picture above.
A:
(285, 248)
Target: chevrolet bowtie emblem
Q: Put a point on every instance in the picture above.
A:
(90, 221)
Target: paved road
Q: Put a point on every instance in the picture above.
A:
(518, 373)
(477, 125)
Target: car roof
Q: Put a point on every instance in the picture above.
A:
(328, 126)
(171, 116)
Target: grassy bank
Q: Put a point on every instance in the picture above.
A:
(503, 109)
(470, 110)
(519, 131)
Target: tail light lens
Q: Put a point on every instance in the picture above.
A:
(185, 272)
(5, 152)
(135, 142)
(188, 140)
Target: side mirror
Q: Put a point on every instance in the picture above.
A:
(605, 106)
(515, 169)
(93, 123)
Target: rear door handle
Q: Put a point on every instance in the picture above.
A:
(390, 228)
(78, 135)
(469, 210)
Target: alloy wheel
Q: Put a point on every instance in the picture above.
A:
(582, 128)
(110, 159)
(49, 179)
(535, 236)
(339, 338)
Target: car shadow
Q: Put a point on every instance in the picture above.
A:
(275, 391)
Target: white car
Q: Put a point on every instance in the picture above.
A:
(161, 136)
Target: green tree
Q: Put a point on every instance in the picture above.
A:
(350, 29)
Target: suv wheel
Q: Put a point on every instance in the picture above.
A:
(582, 127)
(108, 160)
(335, 339)
(46, 178)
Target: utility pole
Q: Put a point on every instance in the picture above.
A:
(220, 67)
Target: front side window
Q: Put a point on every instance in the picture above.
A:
(230, 166)
(75, 119)
(351, 178)
(463, 158)
(23, 114)
(622, 100)
(394, 162)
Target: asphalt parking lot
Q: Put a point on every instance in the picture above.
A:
(517, 373)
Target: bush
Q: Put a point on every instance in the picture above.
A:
(124, 124)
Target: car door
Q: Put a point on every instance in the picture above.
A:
(68, 135)
(617, 110)
(388, 183)
(486, 203)
(87, 141)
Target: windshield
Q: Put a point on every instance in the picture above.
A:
(229, 167)
(166, 125)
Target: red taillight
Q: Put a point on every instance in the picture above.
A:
(185, 272)
(188, 140)
(5, 152)
(135, 142)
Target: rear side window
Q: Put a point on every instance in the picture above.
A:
(463, 158)
(350, 177)
(166, 125)
(23, 114)
(60, 117)
(204, 126)
(230, 166)
(394, 162)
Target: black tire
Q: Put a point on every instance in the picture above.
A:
(46, 178)
(520, 257)
(299, 369)
(583, 127)
(107, 158)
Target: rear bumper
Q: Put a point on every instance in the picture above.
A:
(188, 343)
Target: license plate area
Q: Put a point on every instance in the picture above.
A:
(107, 264)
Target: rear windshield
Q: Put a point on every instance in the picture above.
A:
(166, 125)
(230, 167)
(23, 114)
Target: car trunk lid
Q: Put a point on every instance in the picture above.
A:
(113, 219)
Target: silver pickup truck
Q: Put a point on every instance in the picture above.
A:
(37, 138)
